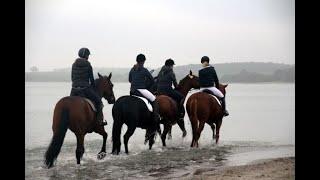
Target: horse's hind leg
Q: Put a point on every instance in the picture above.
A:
(169, 132)
(151, 141)
(213, 130)
(180, 122)
(80, 147)
(100, 130)
(194, 125)
(200, 128)
(126, 137)
(164, 133)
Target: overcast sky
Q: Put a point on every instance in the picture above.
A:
(116, 31)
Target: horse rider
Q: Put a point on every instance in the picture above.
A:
(208, 79)
(141, 79)
(166, 78)
(83, 83)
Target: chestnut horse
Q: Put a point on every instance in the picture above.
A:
(204, 108)
(75, 113)
(169, 107)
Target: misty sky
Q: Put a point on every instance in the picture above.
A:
(116, 31)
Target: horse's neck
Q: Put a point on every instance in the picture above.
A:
(184, 90)
(98, 91)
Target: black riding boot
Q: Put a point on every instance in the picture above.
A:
(223, 104)
(156, 116)
(100, 117)
(181, 109)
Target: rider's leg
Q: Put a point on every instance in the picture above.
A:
(99, 105)
(155, 105)
(179, 98)
(218, 93)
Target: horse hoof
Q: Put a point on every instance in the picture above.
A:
(184, 134)
(101, 155)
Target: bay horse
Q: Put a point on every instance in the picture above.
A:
(203, 108)
(75, 113)
(169, 108)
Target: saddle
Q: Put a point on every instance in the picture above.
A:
(137, 94)
(210, 93)
(91, 104)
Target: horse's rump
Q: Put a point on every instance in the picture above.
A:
(81, 114)
(168, 107)
(207, 107)
(130, 109)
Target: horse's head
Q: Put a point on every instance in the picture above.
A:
(105, 87)
(190, 80)
(222, 88)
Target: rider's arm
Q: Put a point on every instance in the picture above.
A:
(149, 76)
(91, 76)
(174, 80)
(130, 78)
(215, 77)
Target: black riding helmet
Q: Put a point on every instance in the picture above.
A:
(169, 62)
(140, 58)
(84, 53)
(205, 59)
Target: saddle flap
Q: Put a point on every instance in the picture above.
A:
(211, 94)
(147, 103)
(91, 104)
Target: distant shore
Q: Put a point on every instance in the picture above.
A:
(279, 168)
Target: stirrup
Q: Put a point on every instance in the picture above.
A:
(225, 113)
(103, 123)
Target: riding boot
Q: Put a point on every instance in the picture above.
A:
(223, 104)
(100, 118)
(181, 109)
(156, 116)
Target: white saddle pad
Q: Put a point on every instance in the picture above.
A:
(149, 106)
(216, 99)
(212, 96)
(91, 104)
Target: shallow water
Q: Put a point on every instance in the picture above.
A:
(260, 125)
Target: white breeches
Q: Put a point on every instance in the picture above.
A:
(147, 94)
(214, 90)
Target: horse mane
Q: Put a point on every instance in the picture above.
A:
(183, 81)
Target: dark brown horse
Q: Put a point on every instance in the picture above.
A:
(169, 109)
(75, 113)
(204, 108)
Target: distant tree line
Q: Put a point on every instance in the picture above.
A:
(251, 72)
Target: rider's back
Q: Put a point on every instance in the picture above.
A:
(80, 73)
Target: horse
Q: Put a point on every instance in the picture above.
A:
(75, 113)
(133, 112)
(169, 107)
(204, 108)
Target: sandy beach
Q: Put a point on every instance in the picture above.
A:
(270, 169)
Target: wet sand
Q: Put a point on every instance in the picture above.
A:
(279, 168)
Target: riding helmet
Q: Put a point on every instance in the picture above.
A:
(84, 53)
(169, 62)
(205, 59)
(140, 58)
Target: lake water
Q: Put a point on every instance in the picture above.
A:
(261, 125)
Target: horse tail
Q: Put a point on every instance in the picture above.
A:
(116, 128)
(194, 106)
(57, 139)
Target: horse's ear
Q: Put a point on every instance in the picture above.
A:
(100, 76)
(190, 73)
(110, 75)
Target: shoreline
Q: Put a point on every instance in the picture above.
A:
(264, 169)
